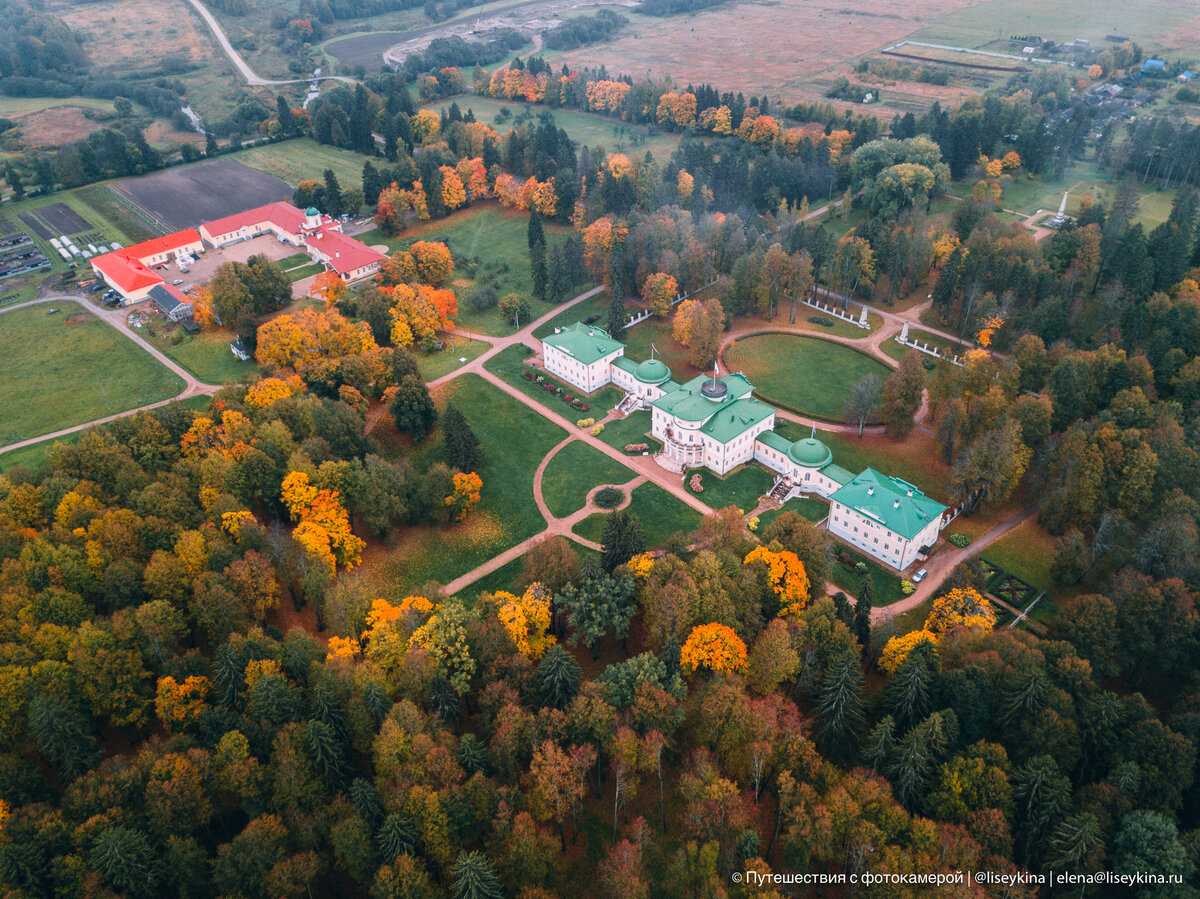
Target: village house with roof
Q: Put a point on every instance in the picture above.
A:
(715, 422)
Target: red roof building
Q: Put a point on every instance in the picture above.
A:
(282, 218)
(350, 258)
(129, 270)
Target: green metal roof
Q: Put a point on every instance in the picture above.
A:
(652, 371)
(687, 403)
(734, 419)
(626, 364)
(583, 343)
(810, 452)
(775, 441)
(837, 473)
(896, 504)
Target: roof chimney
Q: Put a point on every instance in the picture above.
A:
(895, 504)
(870, 491)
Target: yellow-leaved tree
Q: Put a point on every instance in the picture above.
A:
(713, 646)
(785, 574)
(268, 391)
(465, 495)
(322, 522)
(526, 619)
(962, 607)
(658, 291)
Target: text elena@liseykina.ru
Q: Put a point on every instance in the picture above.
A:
(949, 878)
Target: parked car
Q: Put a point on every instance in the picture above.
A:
(177, 282)
(920, 576)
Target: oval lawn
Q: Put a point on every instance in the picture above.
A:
(805, 374)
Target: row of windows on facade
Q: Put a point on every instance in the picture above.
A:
(887, 546)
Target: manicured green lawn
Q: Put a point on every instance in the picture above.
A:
(810, 376)
(661, 515)
(742, 488)
(885, 586)
(514, 439)
(61, 370)
(449, 358)
(294, 261)
(305, 271)
(508, 364)
(813, 509)
(490, 245)
(206, 355)
(574, 471)
(633, 428)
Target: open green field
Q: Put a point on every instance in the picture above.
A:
(508, 365)
(585, 128)
(490, 245)
(742, 487)
(574, 471)
(456, 352)
(62, 370)
(11, 107)
(514, 439)
(304, 158)
(206, 355)
(805, 374)
(661, 516)
(1025, 194)
(1027, 551)
(1155, 24)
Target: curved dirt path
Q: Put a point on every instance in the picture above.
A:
(116, 319)
(940, 566)
(239, 62)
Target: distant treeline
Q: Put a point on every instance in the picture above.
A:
(463, 54)
(584, 30)
(675, 7)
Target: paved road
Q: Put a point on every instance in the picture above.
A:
(240, 63)
(943, 563)
(116, 319)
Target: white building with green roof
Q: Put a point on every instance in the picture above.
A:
(710, 422)
(582, 355)
(887, 517)
(715, 422)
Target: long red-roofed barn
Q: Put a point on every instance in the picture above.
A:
(130, 270)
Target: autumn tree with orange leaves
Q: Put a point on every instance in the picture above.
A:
(434, 262)
(329, 287)
(715, 647)
(658, 292)
(322, 522)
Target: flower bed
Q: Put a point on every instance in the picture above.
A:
(553, 387)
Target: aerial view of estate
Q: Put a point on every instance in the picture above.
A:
(630, 449)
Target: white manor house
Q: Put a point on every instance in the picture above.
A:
(715, 422)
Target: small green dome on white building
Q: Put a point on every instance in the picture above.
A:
(652, 371)
(810, 452)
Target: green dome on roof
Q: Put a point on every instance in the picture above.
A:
(652, 371)
(810, 452)
(312, 210)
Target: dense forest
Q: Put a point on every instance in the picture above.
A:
(200, 697)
